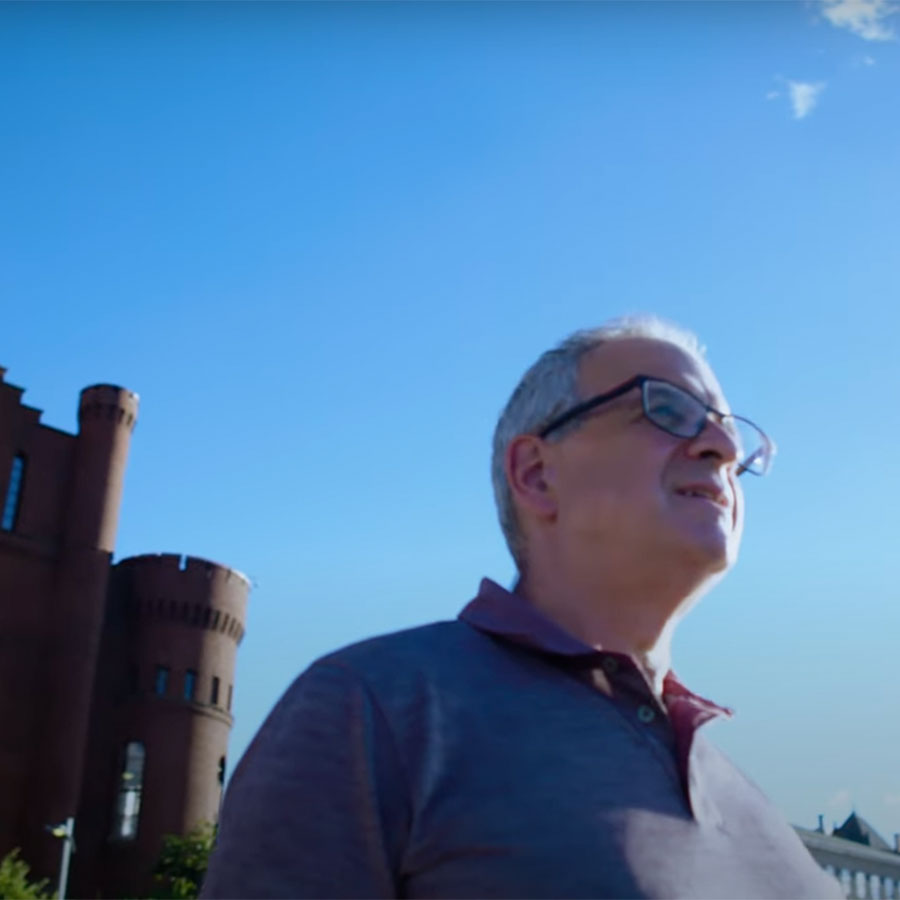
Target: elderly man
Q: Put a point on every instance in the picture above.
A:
(540, 745)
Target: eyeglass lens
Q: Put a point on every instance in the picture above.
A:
(678, 413)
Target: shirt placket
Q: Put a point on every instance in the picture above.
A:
(632, 699)
(636, 703)
(653, 724)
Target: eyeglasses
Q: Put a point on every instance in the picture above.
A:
(680, 413)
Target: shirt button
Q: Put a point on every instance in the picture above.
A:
(646, 714)
(610, 665)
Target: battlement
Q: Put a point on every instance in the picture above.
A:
(184, 590)
(192, 566)
(108, 393)
(31, 411)
(99, 401)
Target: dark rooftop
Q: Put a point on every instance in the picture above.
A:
(859, 830)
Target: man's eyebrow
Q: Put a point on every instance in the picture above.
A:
(702, 394)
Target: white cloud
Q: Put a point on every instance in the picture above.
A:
(868, 60)
(773, 95)
(891, 799)
(866, 18)
(840, 800)
(804, 96)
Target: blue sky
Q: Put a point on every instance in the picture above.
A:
(323, 242)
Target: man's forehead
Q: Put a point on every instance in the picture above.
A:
(615, 361)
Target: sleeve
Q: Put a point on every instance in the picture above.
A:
(318, 806)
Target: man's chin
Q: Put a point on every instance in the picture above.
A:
(712, 556)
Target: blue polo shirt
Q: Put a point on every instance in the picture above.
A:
(496, 756)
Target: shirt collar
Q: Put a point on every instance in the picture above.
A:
(511, 617)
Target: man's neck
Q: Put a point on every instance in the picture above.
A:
(633, 616)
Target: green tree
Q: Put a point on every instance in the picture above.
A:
(14, 881)
(182, 863)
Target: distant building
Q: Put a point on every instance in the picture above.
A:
(864, 863)
(116, 680)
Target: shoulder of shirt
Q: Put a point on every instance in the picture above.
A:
(427, 653)
(408, 645)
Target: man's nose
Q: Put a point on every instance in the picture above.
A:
(717, 439)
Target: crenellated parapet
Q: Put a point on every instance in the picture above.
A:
(108, 403)
(185, 590)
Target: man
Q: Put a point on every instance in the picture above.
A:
(540, 745)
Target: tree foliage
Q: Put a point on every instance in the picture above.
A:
(15, 883)
(182, 863)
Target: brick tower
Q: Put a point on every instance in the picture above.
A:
(159, 741)
(74, 620)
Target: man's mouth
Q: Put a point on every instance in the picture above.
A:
(710, 492)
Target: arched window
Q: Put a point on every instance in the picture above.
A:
(128, 799)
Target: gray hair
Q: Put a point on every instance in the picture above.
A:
(550, 387)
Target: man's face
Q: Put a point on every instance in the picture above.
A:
(624, 485)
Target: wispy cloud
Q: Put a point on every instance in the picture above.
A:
(866, 18)
(804, 96)
(868, 60)
(773, 95)
(839, 800)
(891, 799)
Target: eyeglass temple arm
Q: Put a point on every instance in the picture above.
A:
(588, 405)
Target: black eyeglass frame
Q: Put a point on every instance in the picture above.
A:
(768, 446)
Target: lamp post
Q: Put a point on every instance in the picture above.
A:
(66, 831)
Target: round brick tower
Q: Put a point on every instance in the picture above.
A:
(188, 619)
(106, 419)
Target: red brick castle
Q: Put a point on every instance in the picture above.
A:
(116, 680)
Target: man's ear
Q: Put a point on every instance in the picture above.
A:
(529, 476)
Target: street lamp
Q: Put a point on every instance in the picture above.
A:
(66, 831)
